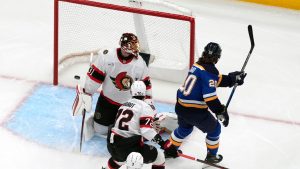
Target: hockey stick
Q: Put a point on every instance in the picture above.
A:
(84, 111)
(250, 31)
(198, 160)
(83, 118)
(82, 126)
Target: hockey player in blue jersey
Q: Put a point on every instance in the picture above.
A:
(197, 95)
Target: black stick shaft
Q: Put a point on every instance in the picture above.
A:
(83, 118)
(82, 127)
(250, 31)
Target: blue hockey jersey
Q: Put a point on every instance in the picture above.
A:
(199, 87)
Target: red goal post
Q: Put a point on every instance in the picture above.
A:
(80, 27)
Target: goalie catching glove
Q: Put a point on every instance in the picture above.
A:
(83, 101)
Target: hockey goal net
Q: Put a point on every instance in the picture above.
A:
(82, 28)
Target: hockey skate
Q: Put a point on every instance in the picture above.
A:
(212, 159)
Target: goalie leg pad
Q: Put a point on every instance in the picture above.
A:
(88, 130)
(100, 130)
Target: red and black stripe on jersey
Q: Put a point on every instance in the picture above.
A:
(147, 82)
(148, 86)
(146, 122)
(96, 74)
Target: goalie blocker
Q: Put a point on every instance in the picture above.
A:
(82, 101)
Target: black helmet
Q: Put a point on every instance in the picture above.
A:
(212, 53)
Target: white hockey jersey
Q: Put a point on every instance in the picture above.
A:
(116, 75)
(135, 117)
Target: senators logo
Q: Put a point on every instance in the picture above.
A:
(122, 81)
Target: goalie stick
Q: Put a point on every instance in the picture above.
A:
(180, 153)
(84, 111)
(250, 32)
(82, 126)
(83, 117)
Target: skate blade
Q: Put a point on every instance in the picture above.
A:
(205, 166)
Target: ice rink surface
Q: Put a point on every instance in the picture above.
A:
(264, 129)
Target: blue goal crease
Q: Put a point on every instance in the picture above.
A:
(46, 118)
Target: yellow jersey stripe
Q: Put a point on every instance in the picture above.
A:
(192, 105)
(199, 66)
(210, 98)
(212, 146)
(175, 142)
(220, 79)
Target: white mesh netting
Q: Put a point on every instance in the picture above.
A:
(84, 28)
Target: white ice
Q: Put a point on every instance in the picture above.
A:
(264, 130)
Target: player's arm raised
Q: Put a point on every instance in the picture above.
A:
(95, 75)
(94, 79)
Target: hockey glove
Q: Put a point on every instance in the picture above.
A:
(83, 101)
(170, 149)
(223, 117)
(237, 77)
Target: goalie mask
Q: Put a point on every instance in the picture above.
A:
(130, 43)
(211, 54)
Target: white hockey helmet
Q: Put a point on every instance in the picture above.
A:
(134, 161)
(138, 88)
